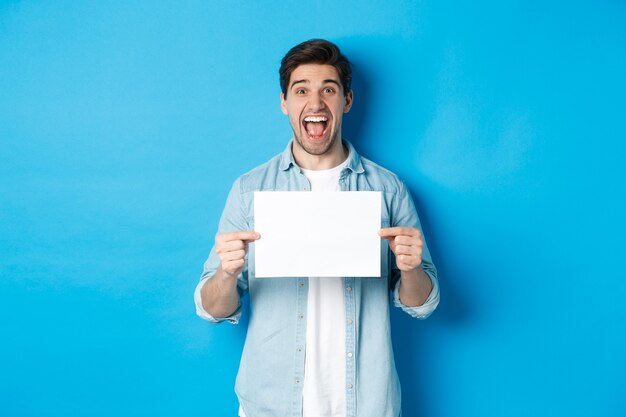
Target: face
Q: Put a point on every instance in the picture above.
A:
(315, 104)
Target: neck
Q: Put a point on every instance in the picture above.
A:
(330, 159)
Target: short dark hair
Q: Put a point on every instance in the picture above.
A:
(315, 51)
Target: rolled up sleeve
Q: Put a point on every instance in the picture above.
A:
(200, 311)
(406, 215)
(426, 309)
(232, 220)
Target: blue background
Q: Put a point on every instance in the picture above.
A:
(123, 125)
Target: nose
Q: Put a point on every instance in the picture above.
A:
(316, 103)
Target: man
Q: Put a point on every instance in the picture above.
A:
(318, 347)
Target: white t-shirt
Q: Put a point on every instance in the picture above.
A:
(324, 392)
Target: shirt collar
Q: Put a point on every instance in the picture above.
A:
(354, 160)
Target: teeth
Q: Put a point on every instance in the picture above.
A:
(315, 119)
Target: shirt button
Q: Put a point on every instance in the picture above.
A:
(348, 289)
(349, 386)
(349, 321)
(301, 316)
(301, 284)
(350, 354)
(297, 381)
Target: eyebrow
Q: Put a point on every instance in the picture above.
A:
(308, 82)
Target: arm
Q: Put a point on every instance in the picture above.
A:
(219, 293)
(406, 243)
(415, 287)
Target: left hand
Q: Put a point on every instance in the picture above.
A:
(406, 243)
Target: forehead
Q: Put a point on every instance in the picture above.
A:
(314, 73)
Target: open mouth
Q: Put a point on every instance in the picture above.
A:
(315, 127)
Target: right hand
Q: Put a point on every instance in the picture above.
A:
(232, 248)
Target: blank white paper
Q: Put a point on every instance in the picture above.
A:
(305, 234)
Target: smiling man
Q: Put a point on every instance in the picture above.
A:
(318, 347)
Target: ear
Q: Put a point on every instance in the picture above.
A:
(283, 103)
(349, 97)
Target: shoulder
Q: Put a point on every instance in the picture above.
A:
(382, 178)
(260, 177)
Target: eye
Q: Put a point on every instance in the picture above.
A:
(329, 90)
(300, 91)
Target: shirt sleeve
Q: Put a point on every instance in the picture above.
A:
(233, 219)
(405, 215)
(426, 309)
(200, 311)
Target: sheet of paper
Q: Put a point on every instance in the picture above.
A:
(307, 234)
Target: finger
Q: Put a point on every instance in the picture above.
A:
(248, 235)
(398, 231)
(232, 267)
(405, 250)
(408, 251)
(412, 260)
(408, 267)
(408, 240)
(402, 260)
(233, 256)
(408, 261)
(232, 245)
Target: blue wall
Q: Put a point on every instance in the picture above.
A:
(123, 125)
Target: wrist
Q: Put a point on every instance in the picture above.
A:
(411, 272)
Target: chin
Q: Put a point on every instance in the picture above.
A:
(316, 148)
